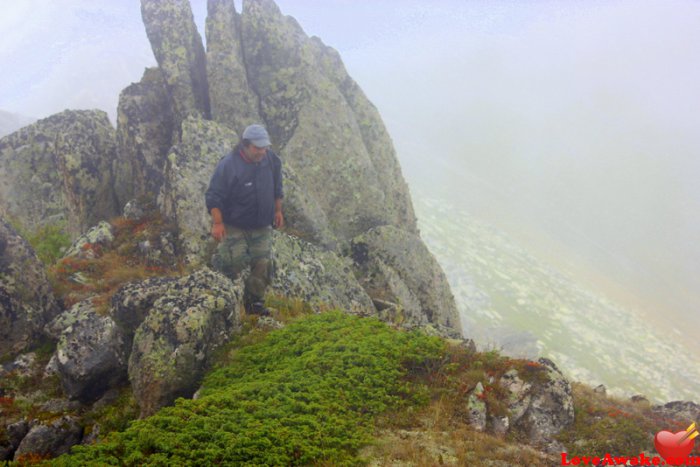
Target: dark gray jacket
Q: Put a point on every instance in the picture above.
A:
(245, 192)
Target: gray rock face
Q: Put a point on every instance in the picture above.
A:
(51, 439)
(26, 300)
(132, 303)
(551, 409)
(321, 278)
(145, 126)
(400, 274)
(374, 135)
(303, 216)
(178, 49)
(188, 170)
(91, 355)
(233, 103)
(312, 123)
(15, 433)
(476, 408)
(678, 411)
(59, 169)
(172, 345)
(102, 234)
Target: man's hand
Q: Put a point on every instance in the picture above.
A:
(279, 220)
(218, 231)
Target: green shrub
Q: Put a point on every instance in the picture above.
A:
(307, 394)
(48, 241)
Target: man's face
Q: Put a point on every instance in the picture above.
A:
(254, 153)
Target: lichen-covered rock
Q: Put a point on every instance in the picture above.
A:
(397, 268)
(59, 169)
(102, 234)
(684, 412)
(476, 408)
(551, 409)
(233, 102)
(303, 216)
(178, 49)
(311, 122)
(133, 301)
(91, 356)
(188, 170)
(172, 346)
(14, 433)
(26, 300)
(51, 438)
(145, 125)
(319, 277)
(519, 394)
(379, 146)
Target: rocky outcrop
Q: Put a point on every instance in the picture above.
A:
(59, 169)
(171, 348)
(178, 49)
(404, 280)
(102, 234)
(133, 301)
(321, 278)
(303, 216)
(311, 122)
(188, 170)
(233, 102)
(51, 438)
(547, 407)
(14, 433)
(91, 356)
(379, 146)
(26, 300)
(684, 412)
(145, 126)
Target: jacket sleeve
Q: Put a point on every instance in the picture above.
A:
(277, 175)
(218, 187)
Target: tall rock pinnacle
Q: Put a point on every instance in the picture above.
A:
(233, 102)
(178, 48)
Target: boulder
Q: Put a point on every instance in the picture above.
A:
(145, 125)
(550, 410)
(188, 169)
(172, 346)
(319, 277)
(26, 300)
(90, 356)
(59, 169)
(133, 301)
(14, 433)
(310, 121)
(683, 412)
(233, 102)
(102, 234)
(476, 408)
(402, 276)
(178, 49)
(50, 438)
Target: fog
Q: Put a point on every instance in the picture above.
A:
(573, 126)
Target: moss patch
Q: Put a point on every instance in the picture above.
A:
(306, 394)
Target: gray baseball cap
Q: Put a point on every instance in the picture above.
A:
(257, 134)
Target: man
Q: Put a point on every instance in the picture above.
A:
(244, 199)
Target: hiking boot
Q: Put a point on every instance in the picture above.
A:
(257, 308)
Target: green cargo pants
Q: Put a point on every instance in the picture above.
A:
(241, 248)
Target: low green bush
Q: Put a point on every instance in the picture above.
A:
(308, 394)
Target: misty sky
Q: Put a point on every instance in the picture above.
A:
(574, 122)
